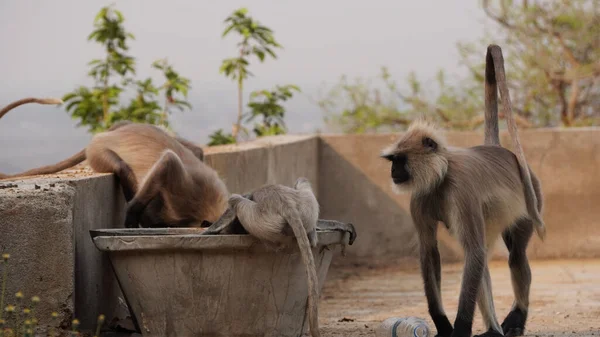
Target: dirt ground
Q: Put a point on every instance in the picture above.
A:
(564, 298)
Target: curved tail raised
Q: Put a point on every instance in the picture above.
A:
(495, 80)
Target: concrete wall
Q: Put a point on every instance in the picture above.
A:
(45, 223)
(46, 229)
(354, 186)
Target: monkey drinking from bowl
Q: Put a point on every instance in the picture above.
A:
(163, 177)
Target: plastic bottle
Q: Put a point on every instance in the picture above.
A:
(403, 327)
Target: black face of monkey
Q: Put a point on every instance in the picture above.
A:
(399, 172)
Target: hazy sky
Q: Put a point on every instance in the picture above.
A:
(44, 52)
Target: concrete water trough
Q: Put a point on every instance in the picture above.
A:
(179, 283)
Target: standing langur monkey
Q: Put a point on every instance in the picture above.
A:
(164, 179)
(478, 193)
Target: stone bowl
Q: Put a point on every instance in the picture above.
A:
(179, 283)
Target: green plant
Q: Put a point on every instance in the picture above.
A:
(174, 84)
(99, 106)
(257, 40)
(266, 105)
(356, 107)
(17, 325)
(220, 138)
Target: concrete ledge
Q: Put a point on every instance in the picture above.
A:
(45, 223)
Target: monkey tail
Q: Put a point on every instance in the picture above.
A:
(491, 132)
(293, 219)
(495, 70)
(29, 100)
(69, 162)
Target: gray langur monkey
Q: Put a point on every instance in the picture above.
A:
(164, 179)
(274, 210)
(273, 214)
(478, 193)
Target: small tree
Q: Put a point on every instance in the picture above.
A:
(143, 107)
(174, 84)
(110, 33)
(357, 107)
(99, 107)
(220, 138)
(257, 40)
(266, 104)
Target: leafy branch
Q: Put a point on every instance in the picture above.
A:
(257, 40)
(99, 106)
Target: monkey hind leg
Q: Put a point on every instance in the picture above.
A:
(196, 150)
(338, 226)
(516, 239)
(104, 160)
(151, 214)
(167, 174)
(228, 223)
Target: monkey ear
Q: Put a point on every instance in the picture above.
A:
(300, 181)
(430, 143)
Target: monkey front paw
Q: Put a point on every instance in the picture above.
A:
(490, 333)
(132, 219)
(514, 332)
(352, 232)
(514, 323)
(443, 326)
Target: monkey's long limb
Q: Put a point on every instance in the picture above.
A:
(29, 100)
(196, 150)
(150, 216)
(333, 225)
(224, 223)
(516, 239)
(431, 272)
(472, 239)
(168, 173)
